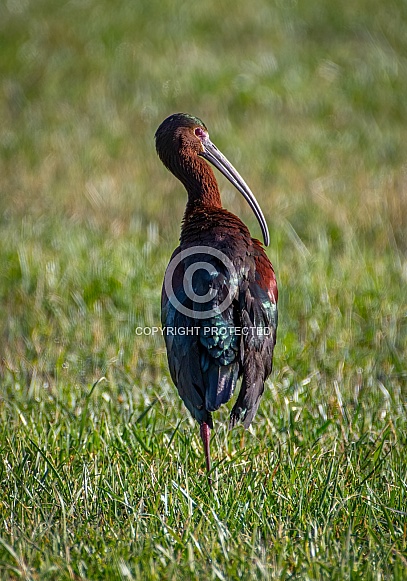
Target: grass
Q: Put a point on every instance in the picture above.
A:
(101, 468)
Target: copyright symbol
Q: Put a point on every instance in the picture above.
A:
(190, 256)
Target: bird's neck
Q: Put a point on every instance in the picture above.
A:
(201, 186)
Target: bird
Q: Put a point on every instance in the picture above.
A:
(219, 297)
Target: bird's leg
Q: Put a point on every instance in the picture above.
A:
(206, 436)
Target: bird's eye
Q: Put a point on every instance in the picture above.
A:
(199, 132)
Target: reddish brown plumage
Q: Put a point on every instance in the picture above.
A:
(205, 366)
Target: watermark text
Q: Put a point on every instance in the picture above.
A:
(206, 331)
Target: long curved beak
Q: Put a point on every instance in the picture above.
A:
(212, 154)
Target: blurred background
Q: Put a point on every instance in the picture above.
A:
(308, 100)
(101, 468)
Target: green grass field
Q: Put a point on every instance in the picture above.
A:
(101, 468)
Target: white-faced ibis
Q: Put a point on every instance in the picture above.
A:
(219, 299)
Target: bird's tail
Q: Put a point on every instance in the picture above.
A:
(251, 391)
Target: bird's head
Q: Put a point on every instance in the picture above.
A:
(180, 136)
(181, 139)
